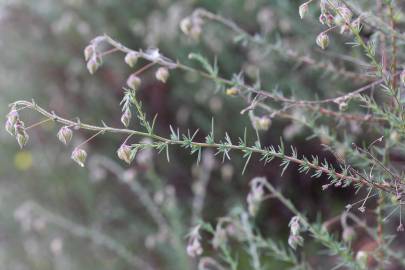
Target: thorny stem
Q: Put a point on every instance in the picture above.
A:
(102, 129)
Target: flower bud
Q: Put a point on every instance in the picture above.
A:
(186, 25)
(19, 127)
(345, 13)
(88, 52)
(303, 9)
(126, 117)
(22, 138)
(194, 248)
(9, 126)
(13, 116)
(195, 32)
(233, 91)
(162, 74)
(125, 153)
(264, 123)
(134, 81)
(131, 58)
(295, 240)
(322, 40)
(93, 64)
(65, 134)
(79, 156)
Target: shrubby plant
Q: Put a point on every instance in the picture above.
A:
(365, 165)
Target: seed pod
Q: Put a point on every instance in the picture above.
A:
(125, 153)
(126, 117)
(22, 138)
(162, 74)
(65, 134)
(131, 58)
(322, 40)
(134, 81)
(303, 9)
(89, 52)
(79, 156)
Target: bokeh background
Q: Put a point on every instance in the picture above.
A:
(56, 215)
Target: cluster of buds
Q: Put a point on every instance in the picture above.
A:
(295, 239)
(256, 195)
(15, 127)
(194, 247)
(192, 26)
(93, 58)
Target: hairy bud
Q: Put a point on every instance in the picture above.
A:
(303, 9)
(89, 52)
(186, 25)
(79, 156)
(131, 59)
(162, 74)
(65, 134)
(22, 138)
(402, 77)
(134, 81)
(322, 40)
(93, 64)
(124, 153)
(9, 126)
(126, 117)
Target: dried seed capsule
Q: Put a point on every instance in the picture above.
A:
(79, 156)
(162, 74)
(126, 117)
(65, 134)
(125, 153)
(322, 40)
(134, 81)
(131, 58)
